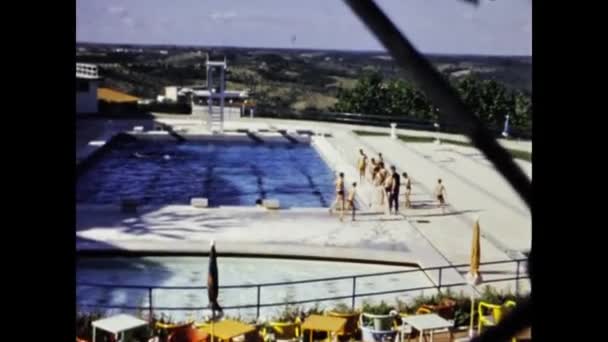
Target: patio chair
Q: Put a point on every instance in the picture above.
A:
(167, 329)
(283, 331)
(252, 336)
(368, 334)
(351, 325)
(188, 334)
(446, 309)
(405, 330)
(491, 314)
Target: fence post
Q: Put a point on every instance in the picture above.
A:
(257, 315)
(517, 279)
(150, 310)
(354, 291)
(439, 283)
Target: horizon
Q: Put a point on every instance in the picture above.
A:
(384, 52)
(454, 27)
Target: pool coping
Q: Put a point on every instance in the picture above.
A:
(243, 250)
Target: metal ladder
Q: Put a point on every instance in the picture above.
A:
(215, 120)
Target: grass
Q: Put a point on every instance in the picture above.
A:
(517, 154)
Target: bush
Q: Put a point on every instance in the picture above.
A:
(288, 314)
(377, 309)
(343, 308)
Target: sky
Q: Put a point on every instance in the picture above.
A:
(499, 27)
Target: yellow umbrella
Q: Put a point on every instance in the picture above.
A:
(474, 277)
(475, 254)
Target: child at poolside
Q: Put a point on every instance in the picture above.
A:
(388, 187)
(440, 193)
(381, 175)
(408, 190)
(351, 199)
(371, 169)
(339, 195)
(361, 164)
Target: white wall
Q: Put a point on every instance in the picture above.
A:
(171, 93)
(86, 102)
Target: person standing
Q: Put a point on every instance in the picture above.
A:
(440, 193)
(339, 195)
(372, 169)
(388, 187)
(408, 190)
(361, 165)
(393, 200)
(379, 177)
(351, 199)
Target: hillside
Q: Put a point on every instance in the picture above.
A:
(294, 79)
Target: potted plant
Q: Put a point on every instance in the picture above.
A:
(380, 315)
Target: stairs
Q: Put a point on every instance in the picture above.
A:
(215, 121)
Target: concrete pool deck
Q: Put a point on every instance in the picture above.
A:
(422, 236)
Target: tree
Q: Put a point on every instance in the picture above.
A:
(489, 100)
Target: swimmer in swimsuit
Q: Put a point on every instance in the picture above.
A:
(408, 189)
(440, 193)
(371, 169)
(351, 199)
(339, 195)
(361, 165)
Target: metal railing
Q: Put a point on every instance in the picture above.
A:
(402, 121)
(439, 285)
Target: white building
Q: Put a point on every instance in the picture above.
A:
(200, 94)
(171, 93)
(87, 82)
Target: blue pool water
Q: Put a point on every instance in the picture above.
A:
(235, 173)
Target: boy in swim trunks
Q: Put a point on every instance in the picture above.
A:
(440, 193)
(351, 199)
(361, 165)
(339, 195)
(371, 169)
(408, 189)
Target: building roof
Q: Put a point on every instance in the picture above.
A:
(110, 95)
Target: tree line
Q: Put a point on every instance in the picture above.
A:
(488, 99)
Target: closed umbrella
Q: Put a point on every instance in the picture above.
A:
(212, 286)
(474, 277)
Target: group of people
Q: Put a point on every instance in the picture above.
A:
(386, 182)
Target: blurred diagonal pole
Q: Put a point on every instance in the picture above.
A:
(441, 94)
(454, 112)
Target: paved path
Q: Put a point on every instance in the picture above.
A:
(472, 189)
(331, 127)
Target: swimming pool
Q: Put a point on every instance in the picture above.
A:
(227, 173)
